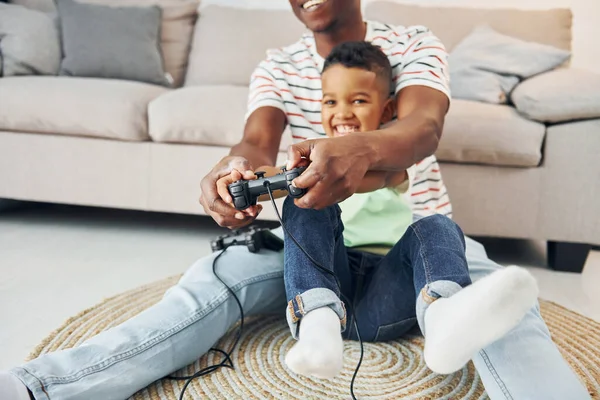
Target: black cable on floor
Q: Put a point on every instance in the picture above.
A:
(227, 362)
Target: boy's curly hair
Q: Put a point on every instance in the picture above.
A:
(362, 55)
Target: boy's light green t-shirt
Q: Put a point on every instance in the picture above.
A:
(375, 221)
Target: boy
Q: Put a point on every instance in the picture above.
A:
(360, 239)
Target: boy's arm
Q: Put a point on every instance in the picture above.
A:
(375, 180)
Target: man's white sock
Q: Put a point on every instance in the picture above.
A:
(11, 388)
(456, 328)
(320, 349)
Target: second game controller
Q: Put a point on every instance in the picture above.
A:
(245, 193)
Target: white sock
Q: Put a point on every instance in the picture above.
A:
(11, 388)
(456, 328)
(320, 349)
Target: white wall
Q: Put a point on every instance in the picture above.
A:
(586, 19)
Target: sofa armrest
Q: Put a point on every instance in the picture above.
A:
(559, 95)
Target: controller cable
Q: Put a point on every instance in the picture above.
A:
(227, 362)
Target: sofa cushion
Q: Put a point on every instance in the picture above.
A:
(29, 42)
(491, 134)
(487, 65)
(76, 106)
(210, 115)
(244, 36)
(100, 41)
(177, 25)
(558, 96)
(452, 24)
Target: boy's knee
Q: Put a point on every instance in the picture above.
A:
(439, 221)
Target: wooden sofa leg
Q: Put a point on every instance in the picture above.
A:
(567, 257)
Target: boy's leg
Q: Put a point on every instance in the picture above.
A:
(428, 260)
(175, 332)
(457, 318)
(525, 363)
(315, 313)
(307, 287)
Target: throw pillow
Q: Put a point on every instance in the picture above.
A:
(29, 42)
(558, 96)
(111, 42)
(497, 62)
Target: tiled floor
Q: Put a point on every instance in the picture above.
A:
(56, 261)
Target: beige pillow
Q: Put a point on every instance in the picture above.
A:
(178, 19)
(230, 42)
(559, 95)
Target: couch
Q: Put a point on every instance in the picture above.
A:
(131, 145)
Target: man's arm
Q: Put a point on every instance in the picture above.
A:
(262, 137)
(414, 135)
(338, 165)
(259, 145)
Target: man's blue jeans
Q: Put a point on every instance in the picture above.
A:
(195, 313)
(388, 293)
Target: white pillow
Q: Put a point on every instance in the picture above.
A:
(487, 65)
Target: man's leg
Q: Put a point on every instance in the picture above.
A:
(525, 363)
(190, 318)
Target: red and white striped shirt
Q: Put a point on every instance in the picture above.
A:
(290, 79)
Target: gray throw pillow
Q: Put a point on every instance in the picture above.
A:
(487, 65)
(29, 42)
(111, 42)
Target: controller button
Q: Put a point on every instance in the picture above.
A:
(260, 174)
(236, 189)
(240, 203)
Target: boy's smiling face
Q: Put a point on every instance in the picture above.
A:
(354, 100)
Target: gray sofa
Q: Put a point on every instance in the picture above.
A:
(131, 145)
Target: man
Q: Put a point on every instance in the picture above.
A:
(195, 313)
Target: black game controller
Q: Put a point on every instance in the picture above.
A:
(254, 238)
(245, 193)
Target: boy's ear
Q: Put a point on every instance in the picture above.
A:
(389, 109)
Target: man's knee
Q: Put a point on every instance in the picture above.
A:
(234, 266)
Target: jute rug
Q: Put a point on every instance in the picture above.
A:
(393, 370)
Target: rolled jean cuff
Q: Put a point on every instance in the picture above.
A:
(430, 293)
(310, 300)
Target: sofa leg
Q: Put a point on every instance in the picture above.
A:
(567, 257)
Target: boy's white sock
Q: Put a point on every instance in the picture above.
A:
(11, 388)
(456, 328)
(320, 349)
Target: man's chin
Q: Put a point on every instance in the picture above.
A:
(320, 25)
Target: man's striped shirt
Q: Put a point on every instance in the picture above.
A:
(290, 79)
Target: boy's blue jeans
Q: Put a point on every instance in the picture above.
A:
(523, 365)
(389, 294)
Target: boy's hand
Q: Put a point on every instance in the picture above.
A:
(215, 193)
(337, 168)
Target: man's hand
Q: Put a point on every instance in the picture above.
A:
(337, 168)
(215, 198)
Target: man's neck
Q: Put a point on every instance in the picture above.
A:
(351, 31)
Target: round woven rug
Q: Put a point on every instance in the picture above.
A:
(393, 370)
